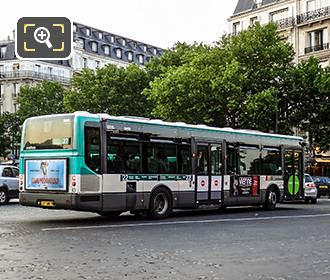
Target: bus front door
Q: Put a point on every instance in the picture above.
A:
(208, 173)
(293, 175)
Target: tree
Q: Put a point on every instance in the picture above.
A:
(111, 89)
(308, 99)
(9, 133)
(41, 99)
(223, 85)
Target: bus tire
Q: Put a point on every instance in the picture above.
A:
(271, 199)
(110, 214)
(160, 203)
(4, 198)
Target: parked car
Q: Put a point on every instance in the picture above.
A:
(310, 190)
(323, 185)
(8, 183)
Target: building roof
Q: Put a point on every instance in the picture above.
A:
(248, 5)
(134, 47)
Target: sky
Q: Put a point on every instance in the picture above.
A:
(156, 22)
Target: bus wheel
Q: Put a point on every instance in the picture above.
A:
(271, 199)
(160, 204)
(110, 214)
(3, 196)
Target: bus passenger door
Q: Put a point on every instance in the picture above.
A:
(202, 173)
(215, 172)
(293, 175)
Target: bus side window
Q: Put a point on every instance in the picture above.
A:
(231, 160)
(92, 148)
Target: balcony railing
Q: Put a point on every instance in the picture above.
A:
(286, 23)
(32, 75)
(317, 48)
(313, 15)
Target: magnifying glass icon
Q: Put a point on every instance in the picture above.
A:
(42, 35)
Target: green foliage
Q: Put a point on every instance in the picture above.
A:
(308, 98)
(40, 99)
(111, 89)
(9, 133)
(219, 85)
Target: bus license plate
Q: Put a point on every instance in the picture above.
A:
(47, 203)
(323, 187)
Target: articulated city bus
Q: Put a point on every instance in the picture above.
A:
(108, 165)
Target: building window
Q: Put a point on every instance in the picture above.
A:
(145, 48)
(313, 5)
(279, 15)
(37, 68)
(123, 42)
(236, 28)
(85, 62)
(75, 28)
(106, 50)
(3, 51)
(130, 56)
(141, 59)
(88, 32)
(15, 107)
(317, 40)
(253, 20)
(2, 68)
(119, 53)
(16, 66)
(155, 51)
(15, 90)
(94, 46)
(80, 43)
(100, 35)
(258, 3)
(112, 39)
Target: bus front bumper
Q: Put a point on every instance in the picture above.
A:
(61, 201)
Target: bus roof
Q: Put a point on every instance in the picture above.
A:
(200, 127)
(158, 122)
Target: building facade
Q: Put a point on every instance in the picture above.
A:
(303, 23)
(93, 48)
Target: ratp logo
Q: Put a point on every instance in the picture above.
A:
(44, 38)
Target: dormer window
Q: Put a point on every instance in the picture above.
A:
(88, 32)
(258, 3)
(106, 50)
(145, 48)
(94, 46)
(155, 51)
(123, 41)
(119, 53)
(100, 35)
(112, 39)
(75, 28)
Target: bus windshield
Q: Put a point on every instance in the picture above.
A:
(55, 132)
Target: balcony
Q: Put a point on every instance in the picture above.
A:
(313, 15)
(12, 75)
(286, 23)
(317, 48)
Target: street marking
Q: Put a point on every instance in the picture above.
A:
(187, 222)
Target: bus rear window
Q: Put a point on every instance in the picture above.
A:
(49, 133)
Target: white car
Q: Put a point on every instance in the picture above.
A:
(8, 183)
(310, 190)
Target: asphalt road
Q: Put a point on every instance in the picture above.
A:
(292, 242)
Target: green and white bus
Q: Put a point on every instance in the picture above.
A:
(108, 165)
